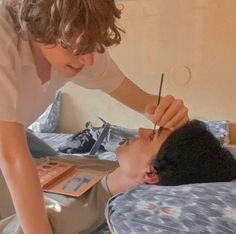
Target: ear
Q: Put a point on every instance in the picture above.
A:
(150, 178)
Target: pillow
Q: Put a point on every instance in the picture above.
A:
(220, 129)
(198, 208)
(48, 121)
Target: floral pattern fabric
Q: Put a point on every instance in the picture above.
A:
(198, 208)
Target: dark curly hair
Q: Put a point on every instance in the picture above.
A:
(192, 154)
(81, 25)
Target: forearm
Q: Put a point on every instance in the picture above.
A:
(137, 100)
(22, 180)
(170, 113)
(24, 187)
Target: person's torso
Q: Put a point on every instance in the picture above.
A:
(21, 80)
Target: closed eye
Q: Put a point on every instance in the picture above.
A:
(151, 137)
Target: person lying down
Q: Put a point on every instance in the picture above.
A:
(188, 155)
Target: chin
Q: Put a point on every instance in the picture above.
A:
(70, 76)
(120, 151)
(117, 152)
(67, 74)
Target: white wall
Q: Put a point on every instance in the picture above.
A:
(192, 41)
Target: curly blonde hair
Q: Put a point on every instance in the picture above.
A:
(81, 25)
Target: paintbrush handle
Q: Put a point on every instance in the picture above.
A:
(159, 95)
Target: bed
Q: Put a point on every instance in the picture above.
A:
(146, 209)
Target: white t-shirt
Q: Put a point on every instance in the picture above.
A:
(22, 96)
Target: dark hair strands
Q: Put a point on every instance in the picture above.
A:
(192, 154)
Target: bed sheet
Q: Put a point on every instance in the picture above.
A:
(56, 140)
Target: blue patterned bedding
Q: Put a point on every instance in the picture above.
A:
(200, 208)
(57, 140)
(115, 135)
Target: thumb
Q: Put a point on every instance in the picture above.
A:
(150, 109)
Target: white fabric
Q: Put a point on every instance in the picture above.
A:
(22, 96)
(104, 74)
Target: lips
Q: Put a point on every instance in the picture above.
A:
(75, 69)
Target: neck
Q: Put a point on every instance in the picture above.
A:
(116, 185)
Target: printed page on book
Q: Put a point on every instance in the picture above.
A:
(65, 178)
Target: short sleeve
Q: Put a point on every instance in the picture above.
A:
(8, 66)
(104, 74)
(8, 94)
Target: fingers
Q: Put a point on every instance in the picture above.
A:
(176, 116)
(150, 108)
(174, 112)
(170, 113)
(157, 112)
(181, 123)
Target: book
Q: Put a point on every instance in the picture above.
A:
(65, 178)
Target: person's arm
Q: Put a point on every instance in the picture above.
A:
(170, 113)
(22, 180)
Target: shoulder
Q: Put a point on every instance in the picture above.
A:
(8, 36)
(7, 32)
(104, 74)
(9, 43)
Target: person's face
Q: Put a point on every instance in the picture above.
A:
(64, 61)
(135, 155)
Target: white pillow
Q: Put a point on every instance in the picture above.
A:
(48, 121)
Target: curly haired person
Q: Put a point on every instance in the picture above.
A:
(44, 44)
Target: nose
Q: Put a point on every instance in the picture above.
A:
(145, 132)
(86, 59)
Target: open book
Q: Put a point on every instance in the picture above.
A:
(65, 178)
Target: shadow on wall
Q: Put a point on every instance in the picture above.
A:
(70, 112)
